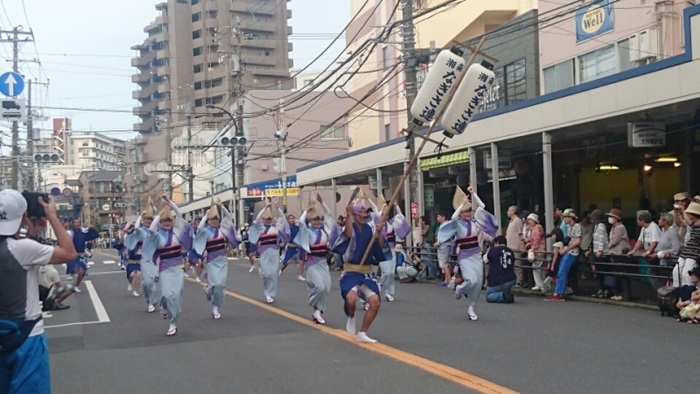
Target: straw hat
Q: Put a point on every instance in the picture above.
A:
(534, 217)
(458, 200)
(381, 201)
(681, 196)
(267, 213)
(213, 212)
(361, 202)
(164, 211)
(615, 213)
(148, 212)
(312, 211)
(693, 208)
(569, 213)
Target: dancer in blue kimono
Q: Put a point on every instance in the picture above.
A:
(316, 235)
(356, 278)
(130, 262)
(395, 227)
(141, 244)
(212, 236)
(468, 227)
(81, 236)
(266, 233)
(292, 252)
(174, 235)
(195, 261)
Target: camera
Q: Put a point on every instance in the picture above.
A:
(34, 209)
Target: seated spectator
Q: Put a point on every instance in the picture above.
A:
(689, 303)
(51, 291)
(501, 277)
(405, 267)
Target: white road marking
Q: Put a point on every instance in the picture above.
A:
(90, 263)
(102, 315)
(110, 262)
(80, 323)
(46, 315)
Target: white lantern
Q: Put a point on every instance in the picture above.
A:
(432, 97)
(466, 100)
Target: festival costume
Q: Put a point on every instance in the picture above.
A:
(292, 251)
(171, 275)
(141, 245)
(316, 243)
(80, 238)
(213, 241)
(467, 234)
(267, 239)
(395, 227)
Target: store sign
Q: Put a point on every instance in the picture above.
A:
(504, 161)
(594, 19)
(429, 196)
(291, 191)
(260, 189)
(646, 134)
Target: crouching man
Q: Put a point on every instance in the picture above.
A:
(501, 277)
(51, 291)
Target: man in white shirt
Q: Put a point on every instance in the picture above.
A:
(51, 291)
(648, 240)
(513, 242)
(24, 355)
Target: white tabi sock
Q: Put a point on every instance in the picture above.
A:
(362, 337)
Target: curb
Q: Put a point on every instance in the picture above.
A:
(627, 304)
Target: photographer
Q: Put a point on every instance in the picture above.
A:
(24, 357)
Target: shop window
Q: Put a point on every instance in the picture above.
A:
(332, 132)
(597, 64)
(515, 81)
(559, 76)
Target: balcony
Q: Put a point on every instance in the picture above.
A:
(212, 23)
(144, 60)
(259, 43)
(257, 8)
(164, 87)
(164, 106)
(267, 27)
(260, 60)
(211, 5)
(141, 78)
(146, 126)
(269, 72)
(156, 24)
(163, 70)
(145, 93)
(163, 53)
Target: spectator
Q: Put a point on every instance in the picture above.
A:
(513, 241)
(24, 355)
(680, 204)
(618, 246)
(427, 249)
(535, 245)
(600, 250)
(649, 236)
(443, 254)
(688, 292)
(559, 220)
(501, 277)
(569, 253)
(690, 252)
(405, 268)
(52, 293)
(557, 244)
(669, 244)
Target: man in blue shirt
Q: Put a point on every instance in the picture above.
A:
(501, 277)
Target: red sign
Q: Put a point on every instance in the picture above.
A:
(414, 210)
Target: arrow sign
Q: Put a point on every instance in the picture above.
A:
(11, 84)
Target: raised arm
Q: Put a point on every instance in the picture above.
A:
(397, 209)
(175, 208)
(138, 223)
(476, 201)
(455, 215)
(202, 222)
(257, 218)
(154, 225)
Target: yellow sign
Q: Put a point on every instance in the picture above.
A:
(593, 19)
(291, 191)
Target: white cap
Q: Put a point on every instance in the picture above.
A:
(12, 209)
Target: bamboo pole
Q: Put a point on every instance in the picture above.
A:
(436, 142)
(414, 159)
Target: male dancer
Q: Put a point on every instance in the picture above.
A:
(292, 252)
(358, 278)
(80, 238)
(210, 242)
(467, 227)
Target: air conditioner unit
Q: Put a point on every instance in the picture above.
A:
(648, 43)
(264, 167)
(634, 47)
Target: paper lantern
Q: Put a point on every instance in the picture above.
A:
(466, 100)
(441, 79)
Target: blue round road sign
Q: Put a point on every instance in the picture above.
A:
(11, 84)
(55, 191)
(67, 192)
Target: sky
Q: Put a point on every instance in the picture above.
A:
(84, 50)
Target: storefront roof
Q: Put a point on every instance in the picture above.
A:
(654, 85)
(448, 159)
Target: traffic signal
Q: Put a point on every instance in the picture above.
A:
(47, 158)
(233, 141)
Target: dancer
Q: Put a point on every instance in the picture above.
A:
(395, 227)
(195, 261)
(292, 252)
(316, 238)
(356, 278)
(141, 244)
(81, 236)
(210, 242)
(265, 232)
(132, 262)
(173, 234)
(250, 248)
(468, 227)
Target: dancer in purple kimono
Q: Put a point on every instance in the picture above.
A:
(266, 233)
(316, 238)
(174, 235)
(212, 236)
(468, 227)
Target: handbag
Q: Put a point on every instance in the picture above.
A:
(14, 332)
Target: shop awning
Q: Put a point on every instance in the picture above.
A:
(448, 159)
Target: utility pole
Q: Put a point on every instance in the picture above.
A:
(30, 143)
(283, 155)
(13, 36)
(190, 174)
(409, 57)
(169, 160)
(239, 176)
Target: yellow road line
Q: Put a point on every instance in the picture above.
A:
(443, 371)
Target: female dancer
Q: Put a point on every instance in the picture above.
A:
(267, 236)
(173, 234)
(141, 244)
(212, 235)
(316, 239)
(468, 226)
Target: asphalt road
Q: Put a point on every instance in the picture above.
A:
(107, 343)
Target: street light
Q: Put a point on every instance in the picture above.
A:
(239, 134)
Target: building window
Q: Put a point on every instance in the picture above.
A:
(623, 50)
(332, 132)
(515, 81)
(196, 34)
(196, 16)
(197, 51)
(197, 68)
(559, 76)
(195, 2)
(385, 57)
(597, 64)
(198, 85)
(387, 132)
(198, 103)
(308, 82)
